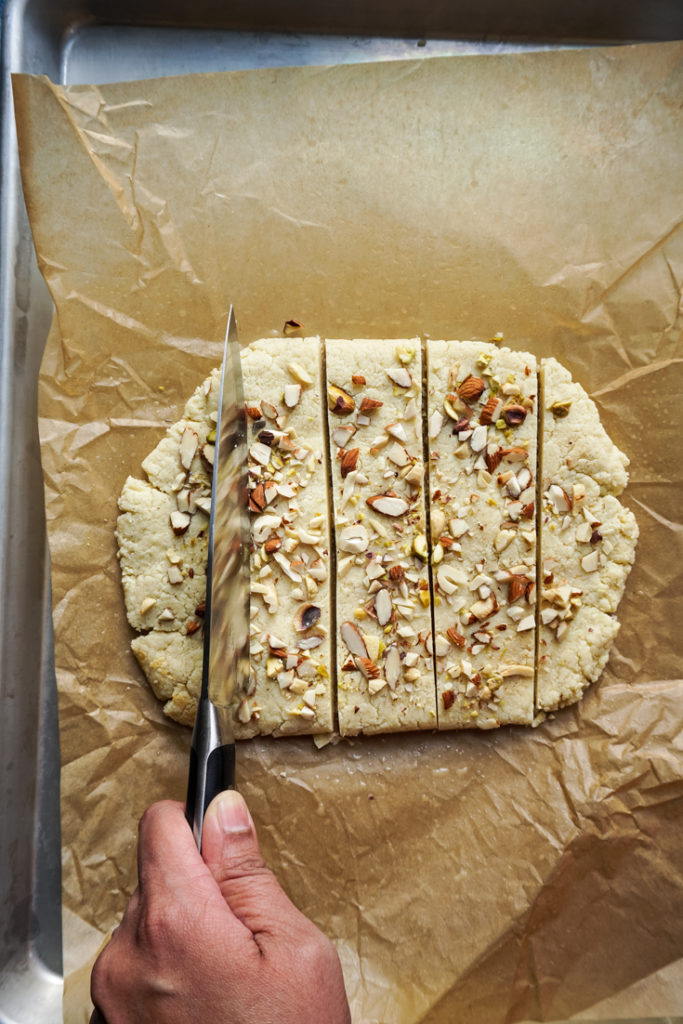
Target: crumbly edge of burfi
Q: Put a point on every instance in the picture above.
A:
(574, 439)
(474, 602)
(163, 575)
(588, 539)
(172, 664)
(578, 662)
(384, 678)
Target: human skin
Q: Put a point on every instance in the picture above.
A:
(212, 937)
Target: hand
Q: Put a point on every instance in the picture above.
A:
(212, 937)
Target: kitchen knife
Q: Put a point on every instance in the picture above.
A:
(225, 670)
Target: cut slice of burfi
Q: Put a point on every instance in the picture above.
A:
(482, 429)
(384, 666)
(291, 659)
(588, 541)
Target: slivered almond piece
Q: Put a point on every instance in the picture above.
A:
(188, 447)
(388, 504)
(400, 376)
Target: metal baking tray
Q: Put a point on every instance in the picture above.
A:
(75, 41)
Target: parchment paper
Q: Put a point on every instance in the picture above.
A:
(464, 877)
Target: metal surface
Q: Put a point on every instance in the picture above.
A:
(103, 40)
(225, 669)
(226, 640)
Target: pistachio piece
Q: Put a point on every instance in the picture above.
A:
(339, 401)
(306, 617)
(514, 415)
(419, 547)
(292, 327)
(561, 409)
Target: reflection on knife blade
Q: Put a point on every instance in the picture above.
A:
(225, 671)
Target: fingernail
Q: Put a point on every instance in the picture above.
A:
(233, 813)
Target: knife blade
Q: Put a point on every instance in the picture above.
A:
(225, 666)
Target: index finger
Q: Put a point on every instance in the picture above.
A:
(167, 853)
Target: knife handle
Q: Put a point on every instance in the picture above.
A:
(212, 767)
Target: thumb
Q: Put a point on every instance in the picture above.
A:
(231, 852)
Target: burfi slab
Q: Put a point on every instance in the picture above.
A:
(482, 430)
(384, 666)
(291, 658)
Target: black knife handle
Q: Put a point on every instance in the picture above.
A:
(220, 775)
(212, 767)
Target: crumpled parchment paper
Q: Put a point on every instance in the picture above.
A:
(479, 878)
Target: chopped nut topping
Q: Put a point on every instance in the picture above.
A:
(291, 327)
(353, 539)
(188, 447)
(306, 617)
(560, 409)
(368, 404)
(353, 639)
(456, 638)
(383, 606)
(514, 415)
(369, 669)
(179, 522)
(349, 461)
(299, 374)
(339, 401)
(471, 389)
(388, 504)
(489, 414)
(400, 376)
(342, 435)
(292, 395)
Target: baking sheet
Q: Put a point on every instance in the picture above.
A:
(535, 194)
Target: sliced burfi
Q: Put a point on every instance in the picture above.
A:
(482, 435)
(384, 666)
(588, 541)
(291, 659)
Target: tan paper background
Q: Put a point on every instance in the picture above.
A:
(464, 877)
